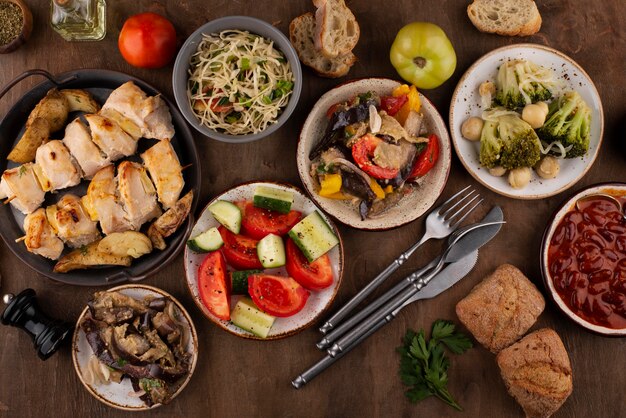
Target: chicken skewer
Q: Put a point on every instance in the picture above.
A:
(81, 154)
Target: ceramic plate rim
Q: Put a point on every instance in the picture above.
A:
(242, 333)
(455, 139)
(194, 341)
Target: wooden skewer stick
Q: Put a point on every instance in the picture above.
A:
(185, 167)
(8, 199)
(20, 239)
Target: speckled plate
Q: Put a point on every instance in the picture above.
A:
(120, 395)
(410, 207)
(318, 301)
(466, 102)
(614, 189)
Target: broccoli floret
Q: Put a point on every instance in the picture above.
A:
(490, 145)
(522, 82)
(568, 122)
(508, 141)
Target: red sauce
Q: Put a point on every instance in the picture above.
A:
(587, 262)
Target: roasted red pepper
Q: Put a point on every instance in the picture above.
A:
(392, 105)
(427, 159)
(362, 150)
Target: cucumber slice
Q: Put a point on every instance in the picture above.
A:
(239, 281)
(313, 236)
(247, 316)
(228, 214)
(209, 240)
(273, 199)
(271, 251)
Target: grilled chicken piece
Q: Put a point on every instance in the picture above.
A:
(157, 118)
(165, 170)
(78, 140)
(21, 186)
(110, 138)
(169, 222)
(71, 222)
(137, 194)
(103, 205)
(58, 168)
(40, 238)
(150, 114)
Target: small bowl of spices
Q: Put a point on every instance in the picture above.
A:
(16, 24)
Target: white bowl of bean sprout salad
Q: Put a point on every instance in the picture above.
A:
(237, 79)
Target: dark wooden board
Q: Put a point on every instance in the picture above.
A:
(236, 377)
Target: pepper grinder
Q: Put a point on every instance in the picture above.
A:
(23, 312)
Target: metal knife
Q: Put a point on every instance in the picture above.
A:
(447, 278)
(472, 241)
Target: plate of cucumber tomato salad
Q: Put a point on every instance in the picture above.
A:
(262, 261)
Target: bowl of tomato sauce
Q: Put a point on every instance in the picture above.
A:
(583, 258)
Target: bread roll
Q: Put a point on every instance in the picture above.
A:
(537, 372)
(500, 309)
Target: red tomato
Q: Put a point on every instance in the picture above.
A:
(314, 276)
(427, 159)
(240, 251)
(392, 105)
(258, 223)
(212, 285)
(147, 40)
(278, 296)
(331, 110)
(362, 150)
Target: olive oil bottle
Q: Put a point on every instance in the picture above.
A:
(79, 20)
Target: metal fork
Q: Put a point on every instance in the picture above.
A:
(440, 223)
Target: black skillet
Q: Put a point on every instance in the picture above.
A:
(99, 83)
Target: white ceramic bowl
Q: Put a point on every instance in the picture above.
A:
(318, 301)
(410, 207)
(117, 395)
(616, 189)
(466, 102)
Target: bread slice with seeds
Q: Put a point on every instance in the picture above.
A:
(301, 34)
(505, 17)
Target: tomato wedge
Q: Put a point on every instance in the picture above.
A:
(258, 223)
(240, 251)
(314, 276)
(362, 150)
(392, 105)
(278, 296)
(212, 286)
(427, 159)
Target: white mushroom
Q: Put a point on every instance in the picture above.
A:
(472, 128)
(519, 177)
(548, 167)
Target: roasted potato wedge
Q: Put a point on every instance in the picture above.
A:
(80, 101)
(87, 257)
(48, 116)
(168, 223)
(35, 134)
(128, 243)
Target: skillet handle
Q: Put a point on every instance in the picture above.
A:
(30, 73)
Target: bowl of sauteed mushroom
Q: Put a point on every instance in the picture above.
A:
(134, 347)
(374, 153)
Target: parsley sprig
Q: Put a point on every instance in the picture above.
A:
(424, 365)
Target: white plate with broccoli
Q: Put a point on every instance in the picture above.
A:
(526, 121)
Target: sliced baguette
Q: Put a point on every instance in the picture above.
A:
(301, 33)
(336, 29)
(505, 17)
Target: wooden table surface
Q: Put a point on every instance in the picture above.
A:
(235, 377)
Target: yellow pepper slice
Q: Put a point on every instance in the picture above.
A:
(339, 196)
(330, 184)
(388, 189)
(413, 102)
(378, 191)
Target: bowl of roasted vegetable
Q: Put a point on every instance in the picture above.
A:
(526, 121)
(135, 347)
(374, 153)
